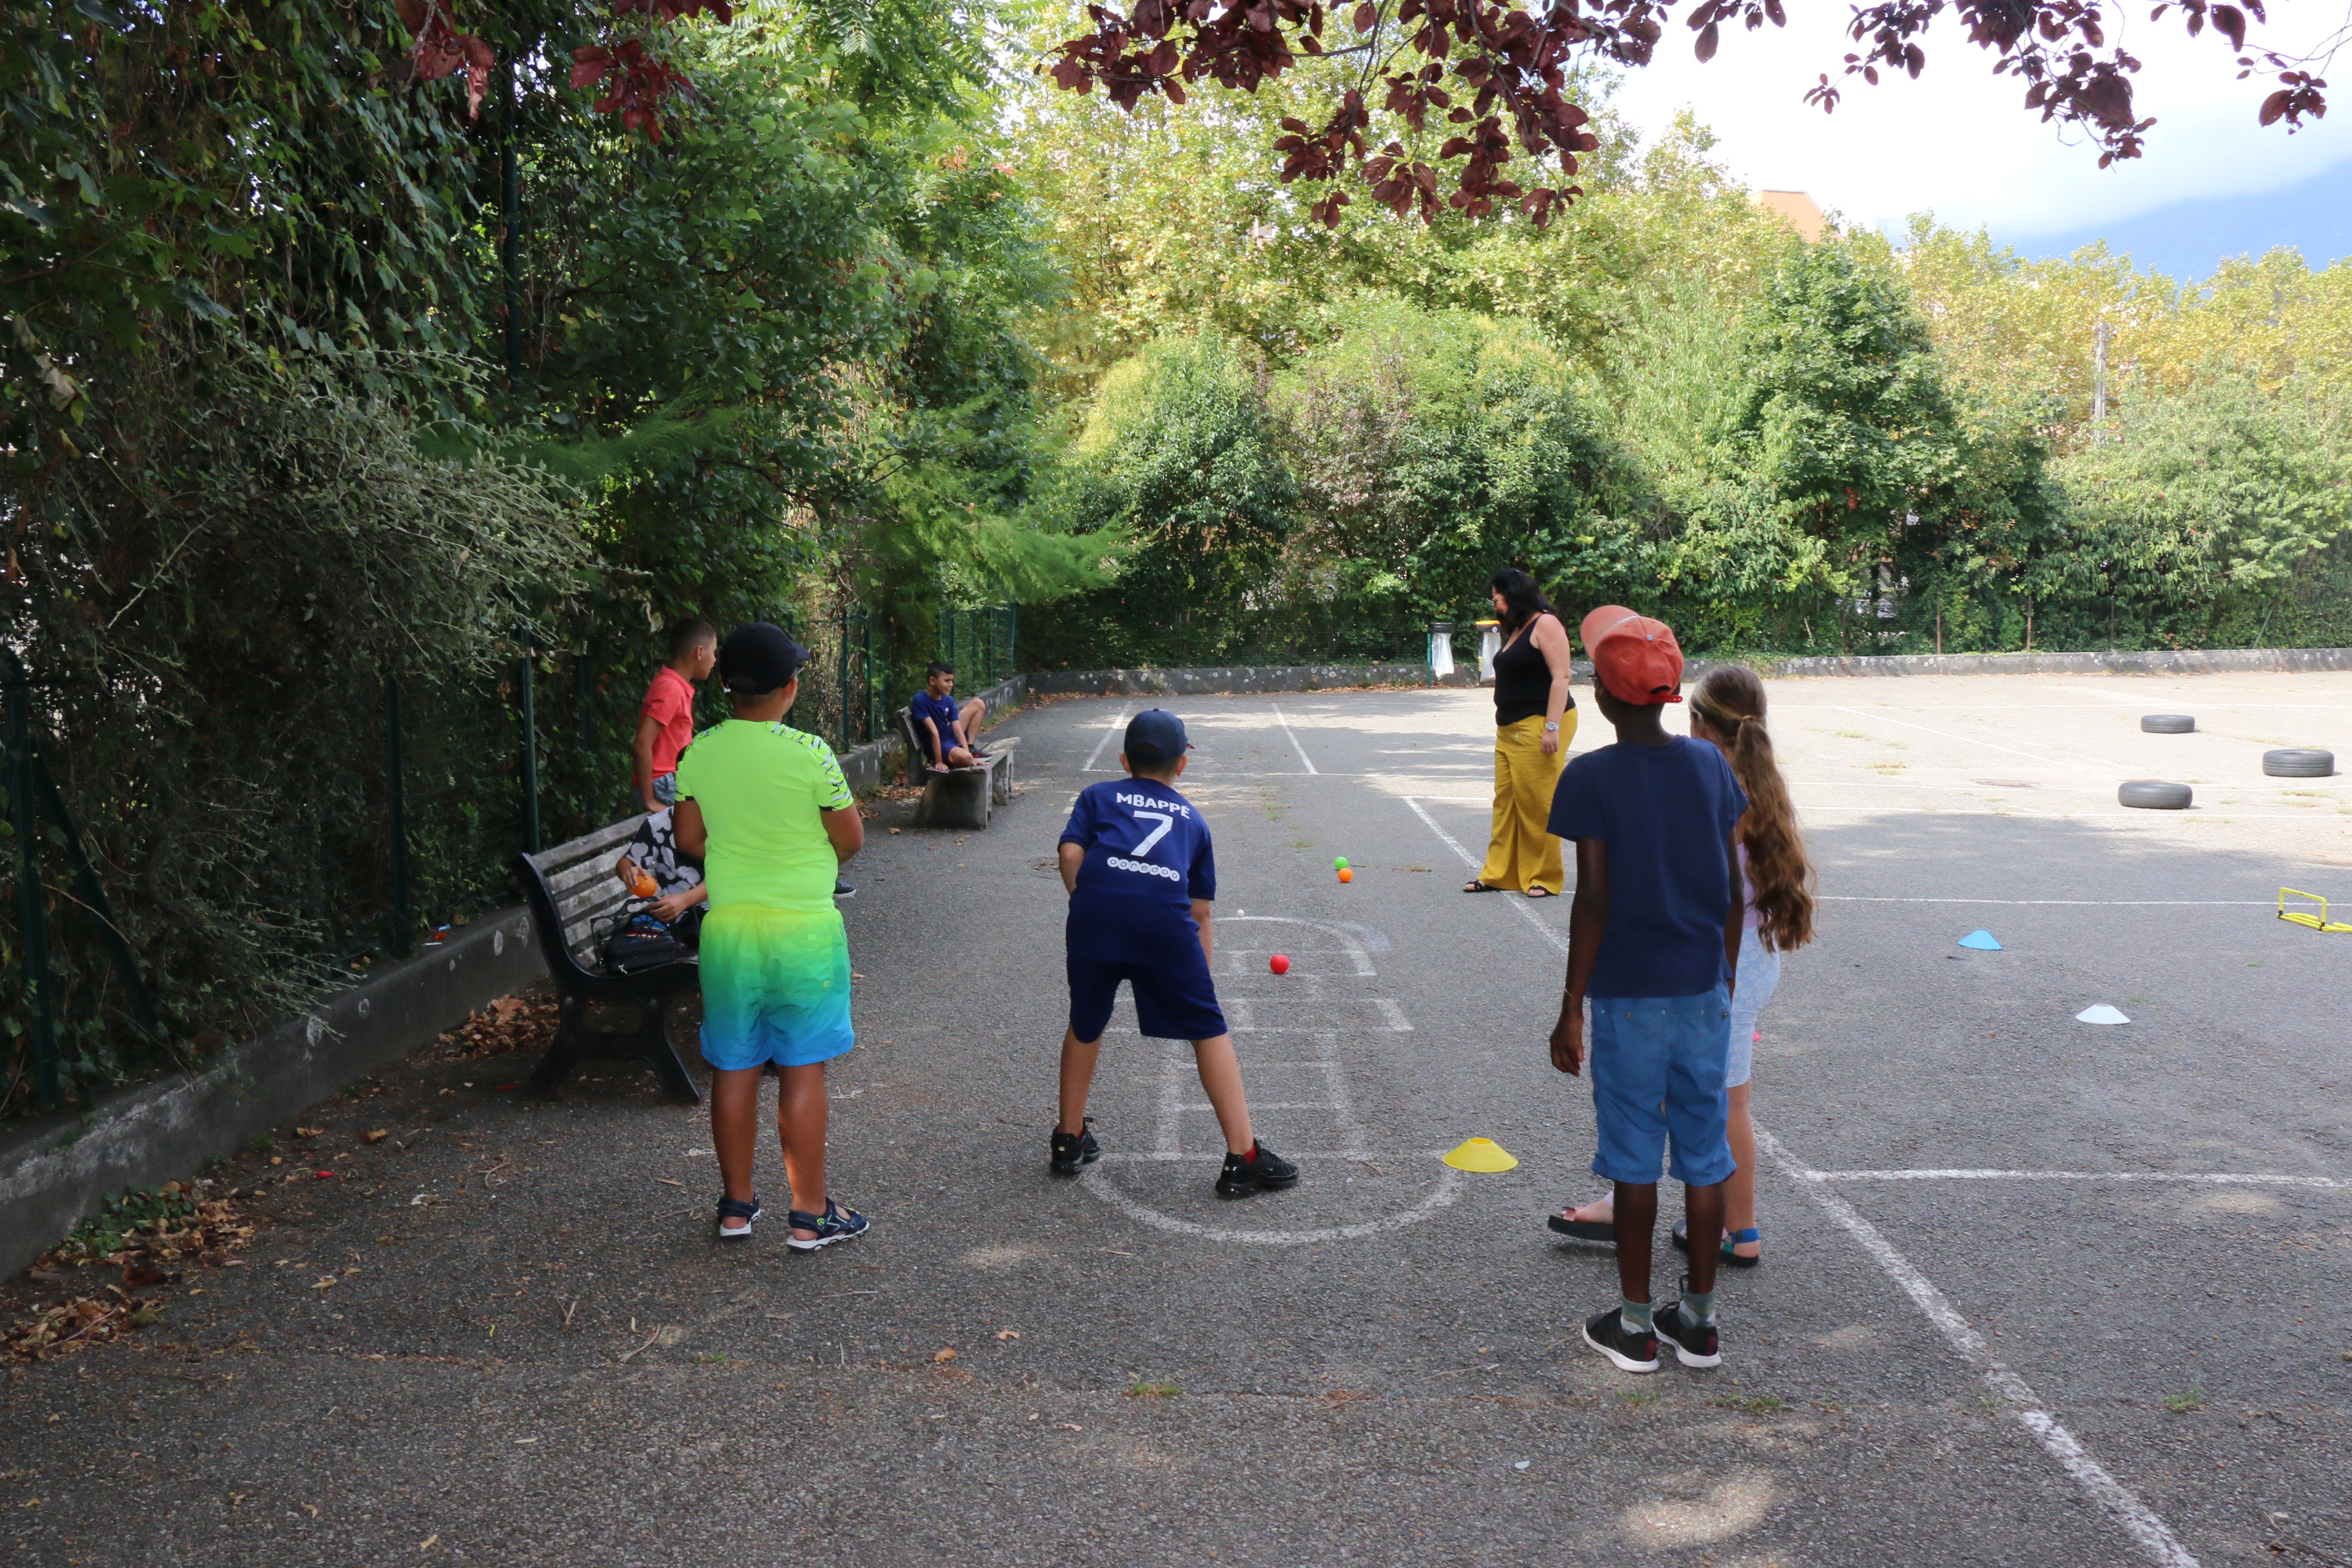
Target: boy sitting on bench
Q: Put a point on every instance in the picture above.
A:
(949, 734)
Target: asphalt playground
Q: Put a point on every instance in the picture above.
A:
(2034, 1290)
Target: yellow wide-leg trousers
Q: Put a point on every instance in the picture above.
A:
(1520, 853)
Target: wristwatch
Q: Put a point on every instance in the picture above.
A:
(1552, 726)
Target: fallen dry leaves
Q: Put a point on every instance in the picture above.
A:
(507, 1026)
(152, 1236)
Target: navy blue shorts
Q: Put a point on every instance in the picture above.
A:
(1172, 1001)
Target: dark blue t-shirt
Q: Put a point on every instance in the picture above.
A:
(1667, 814)
(939, 710)
(1148, 858)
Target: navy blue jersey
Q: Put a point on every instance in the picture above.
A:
(942, 713)
(1667, 814)
(1148, 858)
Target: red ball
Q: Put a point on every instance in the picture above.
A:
(1279, 963)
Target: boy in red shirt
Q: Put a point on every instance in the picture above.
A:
(666, 721)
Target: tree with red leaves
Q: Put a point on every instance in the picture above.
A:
(635, 80)
(1500, 74)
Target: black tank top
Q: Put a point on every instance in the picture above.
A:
(1523, 681)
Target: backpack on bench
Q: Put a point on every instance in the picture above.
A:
(638, 942)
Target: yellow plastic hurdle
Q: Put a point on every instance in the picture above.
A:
(2305, 917)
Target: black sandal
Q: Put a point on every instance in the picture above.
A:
(1541, 893)
(1475, 886)
(1583, 1229)
(736, 1208)
(1725, 1256)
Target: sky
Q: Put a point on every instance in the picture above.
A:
(1958, 142)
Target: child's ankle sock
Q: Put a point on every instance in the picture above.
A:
(1699, 1305)
(1635, 1315)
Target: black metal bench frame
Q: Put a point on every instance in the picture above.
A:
(568, 888)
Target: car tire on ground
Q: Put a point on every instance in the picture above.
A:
(2154, 795)
(2299, 763)
(2169, 723)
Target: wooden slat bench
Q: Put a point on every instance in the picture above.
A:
(570, 888)
(959, 797)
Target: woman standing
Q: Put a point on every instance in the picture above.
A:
(1534, 718)
(1777, 897)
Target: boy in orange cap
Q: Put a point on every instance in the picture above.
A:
(1654, 941)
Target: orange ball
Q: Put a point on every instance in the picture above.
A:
(1346, 875)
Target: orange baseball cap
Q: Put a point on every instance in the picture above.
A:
(1634, 656)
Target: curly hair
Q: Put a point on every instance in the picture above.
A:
(1780, 878)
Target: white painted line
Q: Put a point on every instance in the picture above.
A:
(1117, 727)
(2206, 1178)
(1294, 738)
(2070, 903)
(1153, 1157)
(1518, 901)
(2154, 1538)
(1449, 1187)
(2194, 814)
(2104, 770)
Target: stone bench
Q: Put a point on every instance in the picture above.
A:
(959, 797)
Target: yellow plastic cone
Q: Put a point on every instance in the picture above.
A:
(1481, 1154)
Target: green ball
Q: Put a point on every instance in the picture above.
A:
(1339, 863)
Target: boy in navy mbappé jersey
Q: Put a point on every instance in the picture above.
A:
(1136, 859)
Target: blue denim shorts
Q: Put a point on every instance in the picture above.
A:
(1657, 1070)
(665, 789)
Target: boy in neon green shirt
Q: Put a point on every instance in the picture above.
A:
(766, 809)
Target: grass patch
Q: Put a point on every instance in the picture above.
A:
(1152, 1390)
(1637, 1397)
(1761, 1405)
(2182, 1403)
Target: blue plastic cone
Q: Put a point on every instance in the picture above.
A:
(1982, 940)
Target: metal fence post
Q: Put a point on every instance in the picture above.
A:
(587, 681)
(395, 795)
(25, 819)
(530, 754)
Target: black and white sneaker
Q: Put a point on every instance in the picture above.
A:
(841, 890)
(1631, 1351)
(1695, 1343)
(1260, 1170)
(1070, 1153)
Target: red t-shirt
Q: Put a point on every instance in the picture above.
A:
(669, 702)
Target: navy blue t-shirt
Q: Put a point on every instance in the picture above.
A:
(1667, 814)
(1148, 858)
(941, 712)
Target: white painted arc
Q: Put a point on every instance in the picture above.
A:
(1449, 1187)
(2154, 1538)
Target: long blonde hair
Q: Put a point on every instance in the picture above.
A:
(1780, 878)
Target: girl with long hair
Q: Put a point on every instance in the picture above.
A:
(1534, 718)
(1728, 709)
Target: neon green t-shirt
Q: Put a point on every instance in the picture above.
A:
(760, 787)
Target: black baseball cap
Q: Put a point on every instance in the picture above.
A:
(759, 659)
(1155, 735)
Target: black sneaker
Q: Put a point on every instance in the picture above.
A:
(1633, 1352)
(1695, 1343)
(1262, 1169)
(841, 890)
(1070, 1153)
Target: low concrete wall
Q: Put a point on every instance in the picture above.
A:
(1228, 679)
(53, 1174)
(2214, 661)
(1205, 681)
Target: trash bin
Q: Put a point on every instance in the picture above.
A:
(1490, 643)
(1441, 649)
